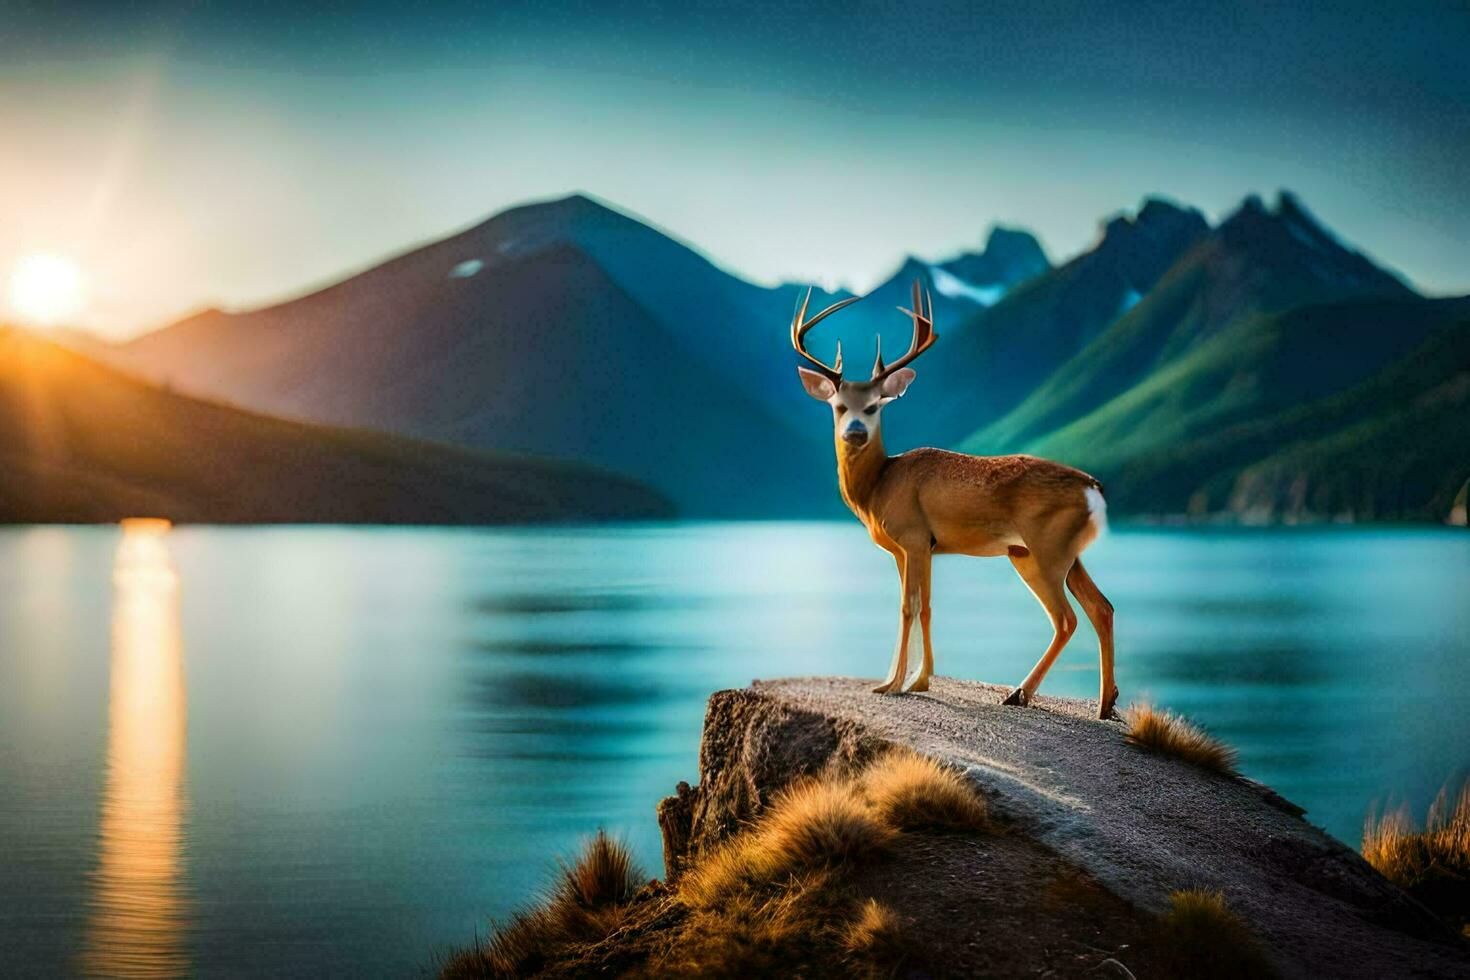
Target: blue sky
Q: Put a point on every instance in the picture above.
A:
(188, 154)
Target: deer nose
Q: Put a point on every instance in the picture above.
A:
(856, 433)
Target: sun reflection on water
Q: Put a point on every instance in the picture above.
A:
(138, 908)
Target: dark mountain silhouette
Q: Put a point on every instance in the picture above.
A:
(960, 286)
(1179, 441)
(563, 328)
(570, 329)
(986, 364)
(1266, 375)
(80, 442)
(1011, 256)
(1396, 447)
(1255, 262)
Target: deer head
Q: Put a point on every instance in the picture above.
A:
(856, 405)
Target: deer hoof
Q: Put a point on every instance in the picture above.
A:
(1105, 711)
(887, 687)
(1018, 698)
(920, 683)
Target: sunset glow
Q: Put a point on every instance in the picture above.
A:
(138, 905)
(45, 289)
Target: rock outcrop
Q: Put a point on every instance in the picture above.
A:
(1074, 790)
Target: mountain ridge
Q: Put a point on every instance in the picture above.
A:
(1250, 263)
(83, 442)
(533, 331)
(1075, 359)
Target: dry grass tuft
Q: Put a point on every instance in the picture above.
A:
(1432, 864)
(769, 929)
(586, 902)
(604, 874)
(1166, 733)
(814, 825)
(1200, 937)
(875, 939)
(909, 791)
(821, 824)
(779, 894)
(776, 899)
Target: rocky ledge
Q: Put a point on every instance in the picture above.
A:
(1098, 834)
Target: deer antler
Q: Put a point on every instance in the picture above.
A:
(800, 325)
(924, 335)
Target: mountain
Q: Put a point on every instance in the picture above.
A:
(960, 287)
(1010, 256)
(1267, 373)
(1256, 262)
(563, 328)
(989, 361)
(1396, 447)
(965, 284)
(567, 328)
(80, 442)
(1179, 441)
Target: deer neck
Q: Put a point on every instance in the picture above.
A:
(858, 471)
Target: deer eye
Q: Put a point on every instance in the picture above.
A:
(871, 409)
(841, 409)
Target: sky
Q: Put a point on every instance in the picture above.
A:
(192, 154)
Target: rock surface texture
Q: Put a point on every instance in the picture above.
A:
(1140, 825)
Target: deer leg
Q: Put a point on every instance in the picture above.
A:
(1046, 584)
(1100, 613)
(909, 629)
(919, 571)
(926, 670)
(894, 676)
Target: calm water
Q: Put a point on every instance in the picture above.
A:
(336, 751)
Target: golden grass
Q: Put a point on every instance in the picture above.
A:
(1432, 864)
(605, 874)
(776, 898)
(1200, 937)
(779, 893)
(587, 900)
(815, 824)
(875, 937)
(769, 929)
(909, 791)
(1166, 733)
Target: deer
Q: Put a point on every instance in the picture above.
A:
(1038, 513)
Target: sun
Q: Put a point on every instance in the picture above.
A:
(46, 289)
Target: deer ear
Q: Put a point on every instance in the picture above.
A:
(819, 386)
(898, 382)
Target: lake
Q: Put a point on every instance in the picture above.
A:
(337, 751)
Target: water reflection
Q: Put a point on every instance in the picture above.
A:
(555, 647)
(402, 725)
(138, 908)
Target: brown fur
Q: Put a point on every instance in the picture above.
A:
(970, 505)
(931, 501)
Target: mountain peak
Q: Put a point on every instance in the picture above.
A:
(1159, 223)
(1291, 229)
(580, 202)
(1287, 210)
(1293, 243)
(1006, 238)
(1157, 210)
(1135, 250)
(572, 208)
(1010, 256)
(1290, 208)
(1017, 251)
